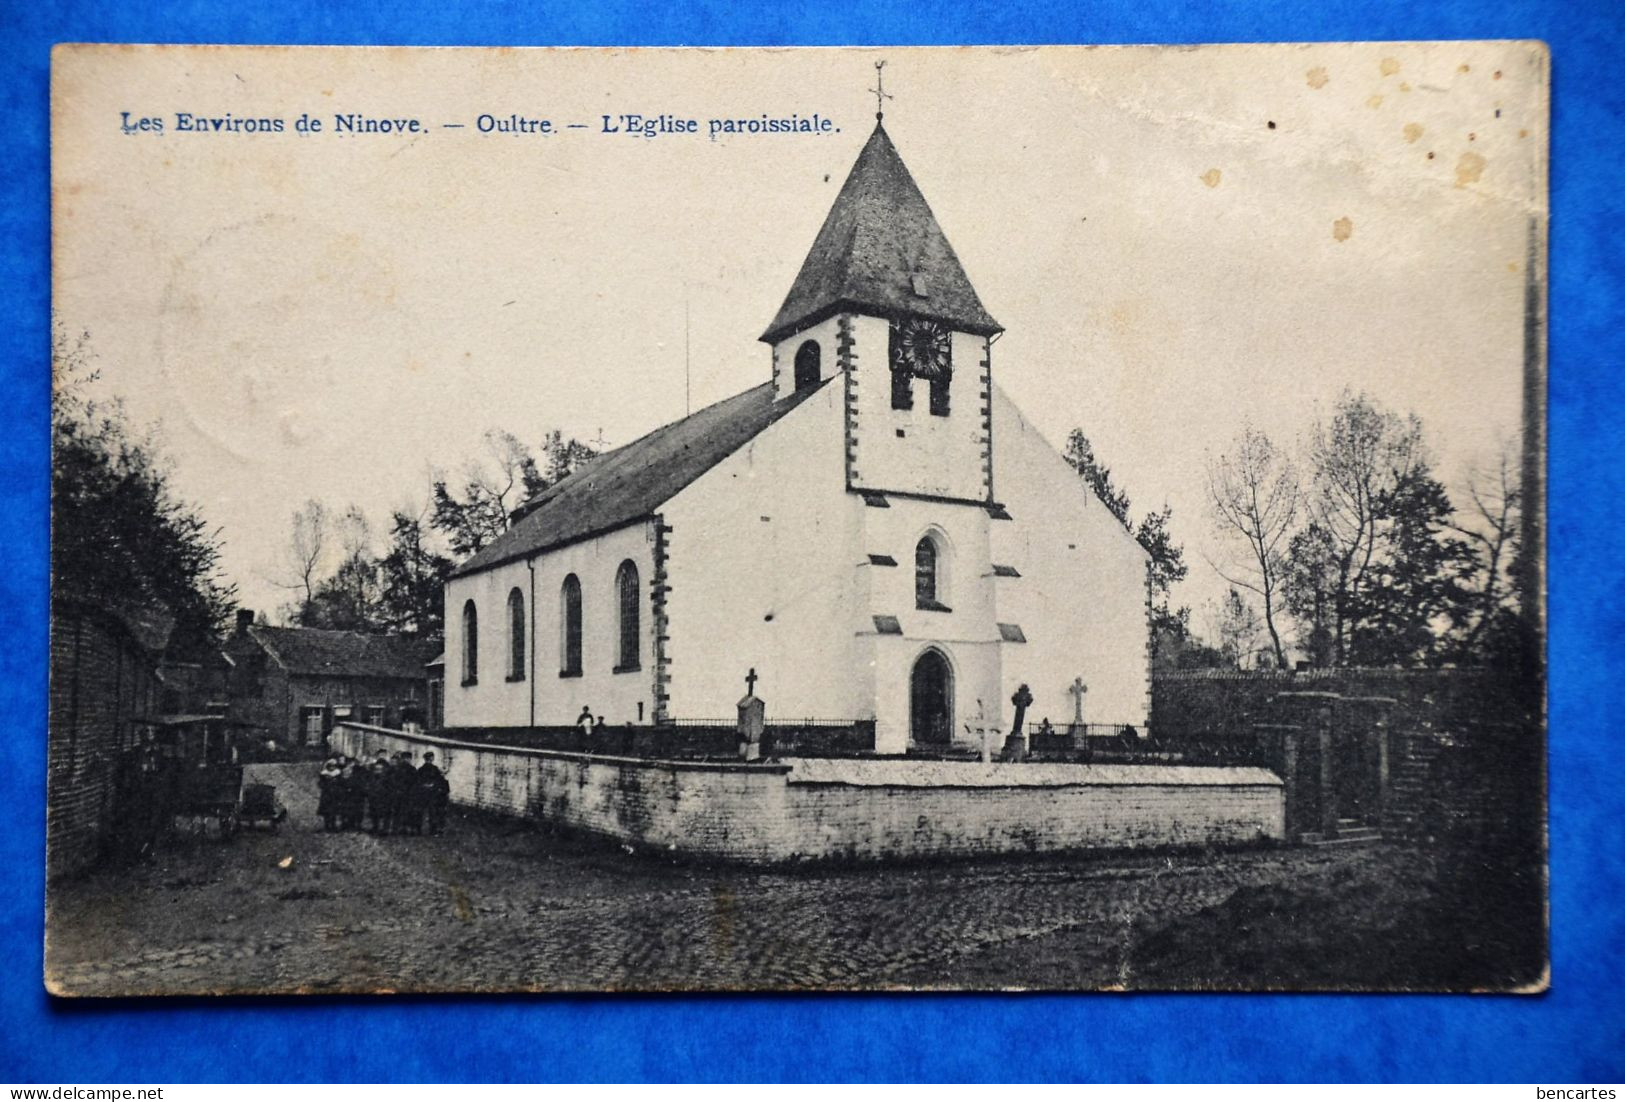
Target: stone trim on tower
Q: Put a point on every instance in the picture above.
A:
(846, 358)
(660, 618)
(986, 364)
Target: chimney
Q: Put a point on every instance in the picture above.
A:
(245, 620)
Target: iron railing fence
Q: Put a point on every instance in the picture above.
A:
(1085, 730)
(810, 737)
(703, 738)
(774, 722)
(1124, 743)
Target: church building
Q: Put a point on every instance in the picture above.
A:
(875, 530)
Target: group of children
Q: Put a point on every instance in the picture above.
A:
(392, 795)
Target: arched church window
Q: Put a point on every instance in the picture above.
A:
(516, 635)
(925, 574)
(626, 596)
(471, 643)
(808, 368)
(570, 600)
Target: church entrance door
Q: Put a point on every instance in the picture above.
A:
(931, 700)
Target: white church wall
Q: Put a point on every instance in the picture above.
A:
(825, 334)
(1081, 596)
(942, 456)
(493, 699)
(967, 634)
(764, 566)
(619, 697)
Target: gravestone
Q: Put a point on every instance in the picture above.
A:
(751, 713)
(1015, 744)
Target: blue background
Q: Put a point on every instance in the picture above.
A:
(1574, 1033)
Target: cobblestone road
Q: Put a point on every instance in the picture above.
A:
(495, 905)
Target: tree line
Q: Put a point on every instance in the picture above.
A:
(1346, 551)
(1349, 552)
(340, 579)
(120, 536)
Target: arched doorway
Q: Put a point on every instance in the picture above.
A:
(931, 700)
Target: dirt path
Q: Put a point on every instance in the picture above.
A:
(499, 905)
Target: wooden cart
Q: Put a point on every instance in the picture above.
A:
(206, 778)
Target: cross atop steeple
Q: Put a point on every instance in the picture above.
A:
(881, 95)
(750, 682)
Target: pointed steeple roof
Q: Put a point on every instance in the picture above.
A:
(881, 248)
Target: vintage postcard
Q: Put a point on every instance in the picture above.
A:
(688, 519)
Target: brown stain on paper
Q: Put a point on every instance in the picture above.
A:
(1412, 131)
(1469, 169)
(1210, 177)
(1317, 77)
(1342, 229)
(1389, 66)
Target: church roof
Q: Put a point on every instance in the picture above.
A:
(881, 248)
(632, 482)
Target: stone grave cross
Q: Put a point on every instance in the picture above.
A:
(1078, 689)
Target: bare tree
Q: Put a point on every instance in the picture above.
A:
(1234, 624)
(352, 598)
(1358, 458)
(308, 543)
(492, 489)
(354, 533)
(1254, 498)
(1491, 527)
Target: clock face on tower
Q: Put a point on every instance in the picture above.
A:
(921, 347)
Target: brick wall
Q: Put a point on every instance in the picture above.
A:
(1439, 754)
(1465, 786)
(100, 681)
(851, 809)
(706, 809)
(1202, 704)
(877, 823)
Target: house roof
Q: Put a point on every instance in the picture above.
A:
(631, 482)
(322, 653)
(881, 248)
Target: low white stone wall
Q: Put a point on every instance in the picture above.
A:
(819, 809)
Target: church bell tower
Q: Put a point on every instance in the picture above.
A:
(883, 303)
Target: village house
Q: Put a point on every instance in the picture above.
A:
(875, 532)
(295, 683)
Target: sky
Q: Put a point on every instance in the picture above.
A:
(1177, 241)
